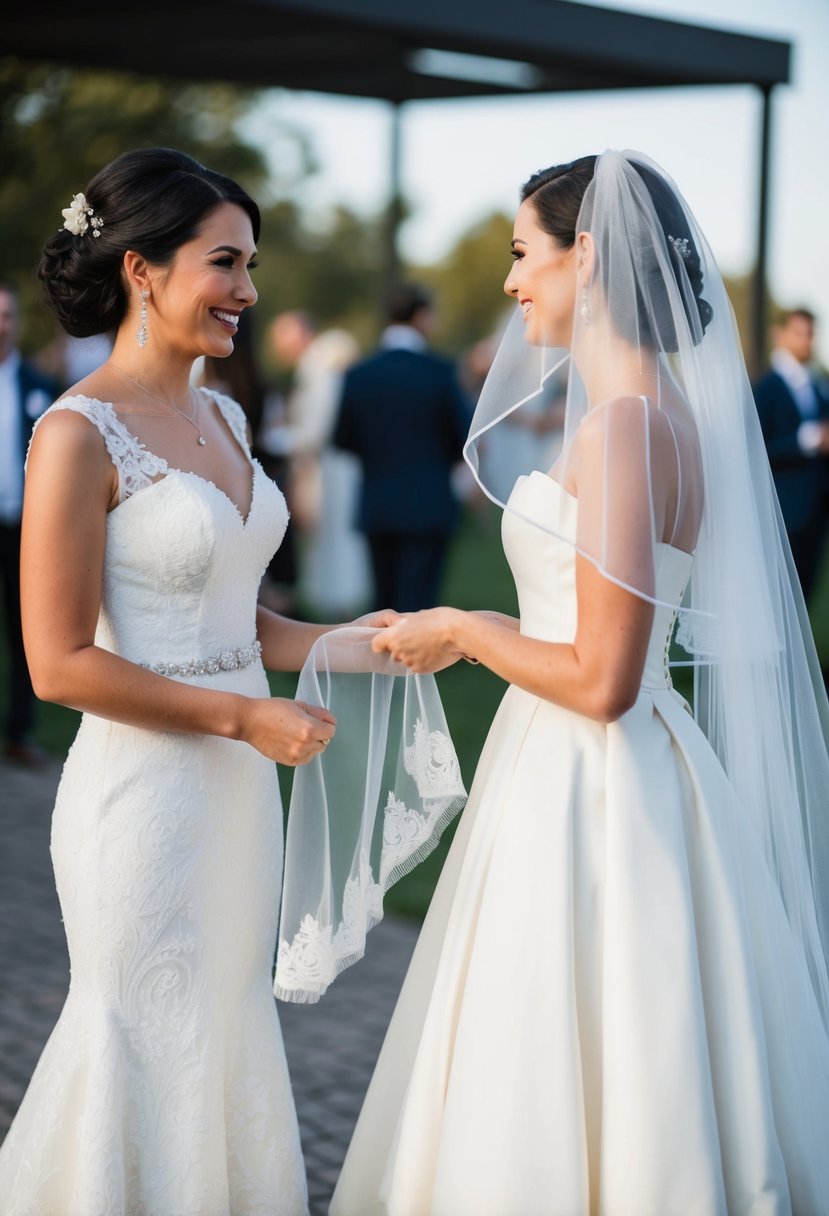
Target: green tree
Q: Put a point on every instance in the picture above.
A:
(468, 283)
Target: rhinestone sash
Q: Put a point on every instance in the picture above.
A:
(226, 660)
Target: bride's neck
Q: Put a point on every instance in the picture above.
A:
(159, 370)
(609, 367)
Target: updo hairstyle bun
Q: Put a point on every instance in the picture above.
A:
(152, 201)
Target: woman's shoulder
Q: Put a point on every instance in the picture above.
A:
(73, 412)
(622, 421)
(83, 427)
(63, 439)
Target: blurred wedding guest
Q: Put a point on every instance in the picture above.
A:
(24, 394)
(793, 404)
(239, 377)
(404, 415)
(324, 482)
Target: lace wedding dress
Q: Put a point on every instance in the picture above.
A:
(591, 1022)
(163, 1090)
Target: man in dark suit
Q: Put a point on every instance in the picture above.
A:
(793, 405)
(24, 395)
(403, 415)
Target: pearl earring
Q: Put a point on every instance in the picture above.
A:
(143, 334)
(585, 312)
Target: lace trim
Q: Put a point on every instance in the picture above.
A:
(699, 635)
(308, 964)
(137, 467)
(234, 416)
(432, 762)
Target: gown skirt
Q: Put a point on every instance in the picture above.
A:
(591, 1023)
(163, 1089)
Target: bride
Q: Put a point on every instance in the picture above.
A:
(147, 527)
(619, 1001)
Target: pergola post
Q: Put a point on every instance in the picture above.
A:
(758, 293)
(394, 210)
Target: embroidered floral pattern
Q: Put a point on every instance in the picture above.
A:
(311, 960)
(432, 761)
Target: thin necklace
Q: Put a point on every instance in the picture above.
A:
(191, 418)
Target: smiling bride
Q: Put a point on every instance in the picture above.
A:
(147, 526)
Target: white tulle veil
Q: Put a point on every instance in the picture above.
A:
(364, 811)
(662, 446)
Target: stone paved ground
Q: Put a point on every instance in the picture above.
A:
(331, 1046)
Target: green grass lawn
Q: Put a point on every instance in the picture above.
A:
(477, 577)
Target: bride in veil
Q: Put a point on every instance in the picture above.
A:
(619, 1000)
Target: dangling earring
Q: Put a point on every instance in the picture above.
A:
(585, 312)
(142, 335)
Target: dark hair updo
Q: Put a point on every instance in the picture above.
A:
(151, 200)
(557, 195)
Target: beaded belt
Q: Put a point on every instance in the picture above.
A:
(227, 660)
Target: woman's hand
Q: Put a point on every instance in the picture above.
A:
(377, 620)
(424, 641)
(289, 732)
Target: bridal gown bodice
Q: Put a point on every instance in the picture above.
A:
(163, 1090)
(182, 567)
(590, 1025)
(544, 569)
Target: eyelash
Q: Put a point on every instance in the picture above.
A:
(516, 255)
(227, 264)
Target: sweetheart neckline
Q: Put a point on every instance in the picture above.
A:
(660, 544)
(244, 520)
(172, 469)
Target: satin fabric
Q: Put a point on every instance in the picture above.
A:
(591, 1022)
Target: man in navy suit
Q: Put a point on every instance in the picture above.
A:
(404, 416)
(24, 395)
(793, 405)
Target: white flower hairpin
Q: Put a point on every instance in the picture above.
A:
(79, 217)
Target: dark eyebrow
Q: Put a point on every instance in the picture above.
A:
(237, 253)
(516, 240)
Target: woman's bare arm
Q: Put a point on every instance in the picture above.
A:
(598, 674)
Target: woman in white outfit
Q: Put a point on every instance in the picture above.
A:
(147, 527)
(619, 1001)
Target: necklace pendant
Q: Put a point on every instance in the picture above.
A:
(202, 441)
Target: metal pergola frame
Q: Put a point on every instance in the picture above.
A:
(391, 50)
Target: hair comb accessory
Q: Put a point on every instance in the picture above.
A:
(78, 217)
(681, 247)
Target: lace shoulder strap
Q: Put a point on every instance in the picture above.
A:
(234, 416)
(136, 467)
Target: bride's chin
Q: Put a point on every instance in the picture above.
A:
(532, 338)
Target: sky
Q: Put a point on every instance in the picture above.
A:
(464, 159)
